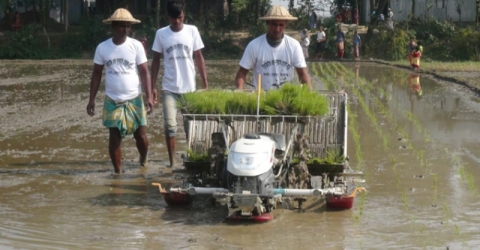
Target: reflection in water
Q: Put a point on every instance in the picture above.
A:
(414, 89)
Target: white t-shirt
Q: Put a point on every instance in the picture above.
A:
(121, 75)
(177, 49)
(305, 42)
(276, 65)
(320, 36)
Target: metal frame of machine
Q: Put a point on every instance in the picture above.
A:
(258, 162)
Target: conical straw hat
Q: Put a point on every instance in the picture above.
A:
(121, 15)
(278, 12)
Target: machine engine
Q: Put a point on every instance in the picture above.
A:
(251, 179)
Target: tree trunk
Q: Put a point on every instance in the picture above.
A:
(66, 16)
(291, 3)
(374, 20)
(61, 11)
(413, 7)
(157, 15)
(257, 9)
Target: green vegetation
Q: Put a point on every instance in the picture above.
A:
(331, 157)
(291, 99)
(192, 156)
(389, 45)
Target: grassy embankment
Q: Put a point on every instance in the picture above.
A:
(466, 73)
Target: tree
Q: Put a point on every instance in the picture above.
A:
(374, 18)
(291, 4)
(157, 15)
(413, 7)
(65, 18)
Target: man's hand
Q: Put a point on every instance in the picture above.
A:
(150, 105)
(154, 96)
(91, 108)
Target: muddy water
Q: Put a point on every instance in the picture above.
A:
(419, 154)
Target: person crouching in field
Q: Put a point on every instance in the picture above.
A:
(123, 109)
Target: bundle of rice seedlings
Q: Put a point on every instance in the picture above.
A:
(295, 99)
(307, 102)
(290, 99)
(242, 103)
(206, 102)
(275, 103)
(192, 156)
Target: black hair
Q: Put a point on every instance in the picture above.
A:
(175, 8)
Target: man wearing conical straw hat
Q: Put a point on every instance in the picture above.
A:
(273, 55)
(123, 110)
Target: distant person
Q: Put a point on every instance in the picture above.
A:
(313, 20)
(17, 24)
(381, 17)
(355, 16)
(225, 9)
(340, 42)
(356, 45)
(411, 47)
(181, 47)
(339, 16)
(143, 40)
(123, 109)
(304, 42)
(274, 55)
(320, 48)
(416, 55)
(390, 19)
(347, 15)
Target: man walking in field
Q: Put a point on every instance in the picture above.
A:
(179, 43)
(273, 55)
(123, 110)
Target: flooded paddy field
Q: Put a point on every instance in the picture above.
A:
(415, 139)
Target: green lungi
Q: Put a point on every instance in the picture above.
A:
(127, 116)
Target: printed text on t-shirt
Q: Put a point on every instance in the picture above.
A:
(276, 62)
(120, 61)
(178, 46)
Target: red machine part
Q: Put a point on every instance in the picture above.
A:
(174, 199)
(342, 202)
(265, 217)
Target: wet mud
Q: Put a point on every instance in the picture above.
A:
(414, 138)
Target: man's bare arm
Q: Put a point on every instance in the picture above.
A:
(154, 75)
(304, 77)
(147, 86)
(94, 85)
(241, 78)
(200, 62)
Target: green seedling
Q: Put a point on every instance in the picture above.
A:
(192, 156)
(290, 99)
(404, 199)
